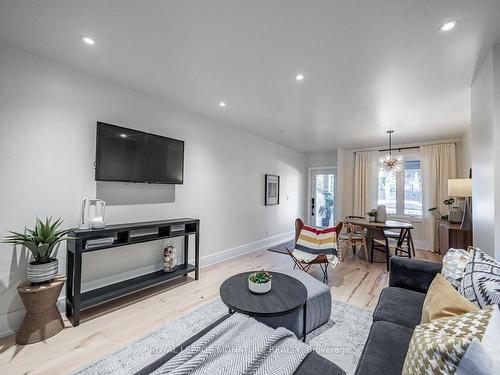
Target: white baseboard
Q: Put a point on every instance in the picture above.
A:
(10, 322)
(244, 249)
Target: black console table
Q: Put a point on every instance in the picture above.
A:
(125, 234)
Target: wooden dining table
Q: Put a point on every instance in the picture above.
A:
(376, 231)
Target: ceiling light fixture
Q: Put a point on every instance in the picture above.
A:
(88, 40)
(222, 104)
(123, 135)
(448, 26)
(389, 163)
(299, 77)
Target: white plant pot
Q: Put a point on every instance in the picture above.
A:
(259, 288)
(371, 219)
(37, 273)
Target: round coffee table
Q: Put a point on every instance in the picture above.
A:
(287, 295)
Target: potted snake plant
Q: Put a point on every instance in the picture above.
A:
(41, 242)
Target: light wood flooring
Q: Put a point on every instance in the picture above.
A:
(107, 328)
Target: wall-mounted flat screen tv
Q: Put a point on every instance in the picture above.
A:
(129, 155)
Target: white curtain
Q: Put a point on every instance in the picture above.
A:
(438, 164)
(365, 182)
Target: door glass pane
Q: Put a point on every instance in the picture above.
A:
(324, 200)
(387, 191)
(413, 188)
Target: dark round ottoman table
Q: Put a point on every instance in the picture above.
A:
(275, 308)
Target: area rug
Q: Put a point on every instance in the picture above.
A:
(341, 340)
(281, 248)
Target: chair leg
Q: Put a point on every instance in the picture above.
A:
(373, 250)
(365, 247)
(324, 269)
(387, 253)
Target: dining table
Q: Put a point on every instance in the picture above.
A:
(377, 231)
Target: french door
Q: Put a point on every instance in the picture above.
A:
(322, 200)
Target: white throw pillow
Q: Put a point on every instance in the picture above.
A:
(454, 263)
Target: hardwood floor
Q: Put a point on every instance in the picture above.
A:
(105, 329)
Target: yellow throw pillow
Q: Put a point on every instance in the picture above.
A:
(443, 301)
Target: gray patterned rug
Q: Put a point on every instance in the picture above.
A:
(341, 340)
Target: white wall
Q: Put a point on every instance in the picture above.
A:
(466, 163)
(322, 159)
(48, 115)
(484, 163)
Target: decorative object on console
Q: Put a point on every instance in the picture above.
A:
(462, 188)
(372, 215)
(272, 189)
(169, 258)
(41, 241)
(260, 282)
(92, 214)
(381, 214)
(481, 281)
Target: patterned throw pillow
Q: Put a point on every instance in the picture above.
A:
(481, 281)
(314, 241)
(454, 263)
(438, 347)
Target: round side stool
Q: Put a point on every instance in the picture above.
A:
(42, 319)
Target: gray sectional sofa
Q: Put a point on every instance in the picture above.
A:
(397, 314)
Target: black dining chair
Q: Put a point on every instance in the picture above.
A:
(404, 235)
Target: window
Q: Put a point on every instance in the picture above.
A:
(401, 192)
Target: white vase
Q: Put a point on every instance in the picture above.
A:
(381, 213)
(259, 288)
(37, 273)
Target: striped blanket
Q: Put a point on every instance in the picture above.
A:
(315, 241)
(239, 346)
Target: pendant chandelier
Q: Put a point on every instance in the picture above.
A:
(390, 163)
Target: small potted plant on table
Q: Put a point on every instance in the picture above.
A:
(372, 215)
(260, 282)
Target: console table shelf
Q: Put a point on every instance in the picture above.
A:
(123, 235)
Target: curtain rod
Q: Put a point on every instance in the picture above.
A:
(406, 147)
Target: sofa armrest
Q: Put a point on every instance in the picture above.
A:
(412, 274)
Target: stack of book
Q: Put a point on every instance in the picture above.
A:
(98, 242)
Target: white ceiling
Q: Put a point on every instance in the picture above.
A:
(370, 65)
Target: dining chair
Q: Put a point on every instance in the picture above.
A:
(353, 236)
(403, 236)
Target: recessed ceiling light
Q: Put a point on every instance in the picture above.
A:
(123, 135)
(88, 40)
(222, 104)
(448, 26)
(299, 77)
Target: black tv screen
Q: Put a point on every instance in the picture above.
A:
(129, 155)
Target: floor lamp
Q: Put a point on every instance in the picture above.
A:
(462, 188)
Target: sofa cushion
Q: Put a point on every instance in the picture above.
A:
(399, 306)
(443, 301)
(385, 350)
